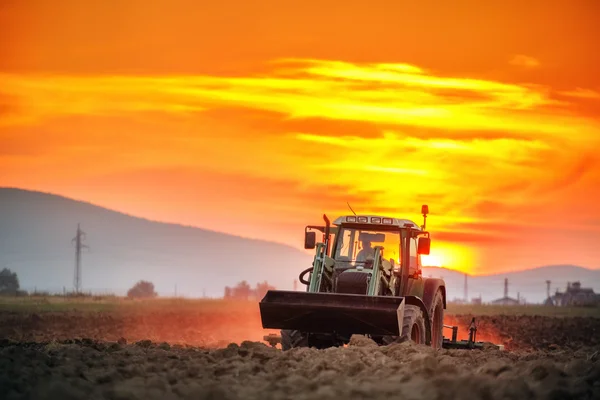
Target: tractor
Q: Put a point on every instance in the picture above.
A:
(366, 279)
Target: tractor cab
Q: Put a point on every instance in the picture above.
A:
(355, 246)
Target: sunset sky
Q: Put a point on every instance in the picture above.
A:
(255, 118)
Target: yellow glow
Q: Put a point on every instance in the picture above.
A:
(450, 255)
(431, 261)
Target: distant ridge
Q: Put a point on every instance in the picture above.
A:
(52, 197)
(544, 268)
(35, 241)
(36, 229)
(529, 284)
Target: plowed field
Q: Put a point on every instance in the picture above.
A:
(195, 354)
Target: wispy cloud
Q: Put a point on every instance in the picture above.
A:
(524, 61)
(399, 94)
(582, 93)
(464, 172)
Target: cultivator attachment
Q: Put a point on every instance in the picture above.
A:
(469, 344)
(344, 314)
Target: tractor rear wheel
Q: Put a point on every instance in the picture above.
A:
(293, 338)
(437, 320)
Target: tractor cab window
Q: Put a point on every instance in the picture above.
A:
(414, 258)
(356, 246)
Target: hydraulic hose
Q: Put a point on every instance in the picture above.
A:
(301, 276)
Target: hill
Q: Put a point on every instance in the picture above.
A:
(36, 230)
(35, 241)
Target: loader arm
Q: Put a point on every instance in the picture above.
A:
(322, 270)
(378, 278)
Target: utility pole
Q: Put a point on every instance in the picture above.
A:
(78, 246)
(548, 289)
(505, 287)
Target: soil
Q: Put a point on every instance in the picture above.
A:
(99, 356)
(192, 327)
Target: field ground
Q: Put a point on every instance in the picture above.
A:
(32, 304)
(217, 322)
(212, 349)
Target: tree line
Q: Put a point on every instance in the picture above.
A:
(9, 286)
(243, 291)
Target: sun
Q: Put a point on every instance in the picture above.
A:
(431, 260)
(451, 256)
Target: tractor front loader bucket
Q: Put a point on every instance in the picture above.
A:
(334, 313)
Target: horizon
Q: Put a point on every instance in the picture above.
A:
(294, 246)
(141, 112)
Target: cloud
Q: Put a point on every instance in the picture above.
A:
(394, 94)
(524, 61)
(582, 94)
(459, 175)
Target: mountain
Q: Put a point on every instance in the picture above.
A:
(36, 230)
(529, 284)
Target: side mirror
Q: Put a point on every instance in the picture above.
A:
(424, 245)
(310, 240)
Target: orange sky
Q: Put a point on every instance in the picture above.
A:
(254, 118)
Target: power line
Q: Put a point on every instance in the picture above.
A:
(78, 246)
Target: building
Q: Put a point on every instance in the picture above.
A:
(506, 300)
(575, 295)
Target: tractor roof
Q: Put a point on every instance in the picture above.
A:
(375, 220)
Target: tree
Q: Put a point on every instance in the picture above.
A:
(9, 282)
(262, 289)
(242, 290)
(142, 289)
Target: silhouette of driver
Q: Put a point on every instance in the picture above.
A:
(366, 251)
